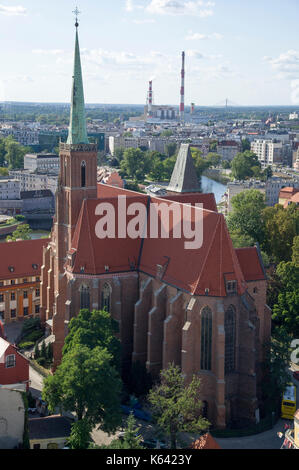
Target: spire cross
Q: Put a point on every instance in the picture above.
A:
(76, 13)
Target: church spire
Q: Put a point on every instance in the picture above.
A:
(77, 129)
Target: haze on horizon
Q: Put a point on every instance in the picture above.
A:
(242, 50)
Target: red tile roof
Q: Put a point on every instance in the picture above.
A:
(193, 270)
(205, 442)
(250, 264)
(207, 199)
(21, 256)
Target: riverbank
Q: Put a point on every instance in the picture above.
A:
(217, 175)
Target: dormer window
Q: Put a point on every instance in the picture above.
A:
(231, 287)
(35, 266)
(11, 269)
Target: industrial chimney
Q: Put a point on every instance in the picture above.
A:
(182, 102)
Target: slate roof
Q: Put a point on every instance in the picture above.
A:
(184, 178)
(49, 427)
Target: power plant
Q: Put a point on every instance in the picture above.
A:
(182, 102)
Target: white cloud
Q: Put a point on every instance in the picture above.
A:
(287, 67)
(12, 11)
(198, 36)
(181, 7)
(199, 55)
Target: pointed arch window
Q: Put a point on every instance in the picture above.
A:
(230, 339)
(206, 339)
(83, 174)
(84, 297)
(106, 297)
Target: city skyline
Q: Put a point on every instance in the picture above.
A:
(241, 50)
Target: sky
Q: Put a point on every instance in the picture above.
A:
(243, 50)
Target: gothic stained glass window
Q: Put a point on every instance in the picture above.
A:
(84, 297)
(230, 339)
(106, 297)
(206, 339)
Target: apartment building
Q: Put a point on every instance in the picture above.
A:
(42, 162)
(228, 149)
(9, 189)
(35, 182)
(267, 151)
(20, 271)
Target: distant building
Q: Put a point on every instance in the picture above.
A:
(286, 196)
(34, 182)
(293, 116)
(9, 189)
(20, 271)
(267, 151)
(228, 149)
(42, 163)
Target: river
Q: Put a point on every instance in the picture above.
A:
(211, 186)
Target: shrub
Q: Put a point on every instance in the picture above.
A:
(33, 336)
(26, 344)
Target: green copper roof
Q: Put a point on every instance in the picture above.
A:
(77, 128)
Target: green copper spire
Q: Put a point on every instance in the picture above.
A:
(77, 128)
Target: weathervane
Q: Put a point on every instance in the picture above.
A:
(76, 13)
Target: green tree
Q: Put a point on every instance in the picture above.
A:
(170, 149)
(168, 165)
(225, 164)
(93, 329)
(43, 350)
(176, 407)
(277, 360)
(86, 383)
(131, 438)
(295, 251)
(246, 216)
(22, 232)
(286, 310)
(14, 153)
(136, 164)
(80, 437)
(200, 163)
(240, 240)
(2, 152)
(36, 351)
(281, 226)
(245, 145)
(167, 133)
(4, 171)
(213, 159)
(139, 380)
(243, 164)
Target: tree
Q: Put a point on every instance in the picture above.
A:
(4, 172)
(246, 216)
(281, 226)
(86, 383)
(243, 164)
(167, 133)
(92, 329)
(136, 164)
(36, 351)
(139, 380)
(295, 251)
(131, 438)
(286, 310)
(200, 163)
(2, 152)
(213, 159)
(245, 145)
(276, 376)
(225, 164)
(80, 437)
(241, 241)
(14, 153)
(22, 232)
(176, 407)
(170, 149)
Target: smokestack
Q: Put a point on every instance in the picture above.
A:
(192, 107)
(182, 103)
(150, 98)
